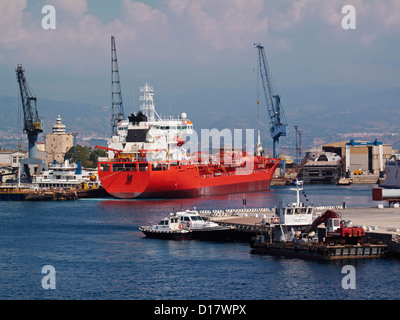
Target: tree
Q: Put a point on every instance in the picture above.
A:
(85, 155)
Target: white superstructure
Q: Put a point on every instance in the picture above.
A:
(66, 176)
(147, 135)
(291, 219)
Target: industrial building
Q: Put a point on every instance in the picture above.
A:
(361, 157)
(348, 159)
(10, 161)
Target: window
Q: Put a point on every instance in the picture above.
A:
(118, 166)
(336, 223)
(130, 166)
(156, 167)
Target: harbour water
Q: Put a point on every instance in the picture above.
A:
(98, 252)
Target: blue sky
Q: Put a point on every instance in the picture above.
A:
(182, 45)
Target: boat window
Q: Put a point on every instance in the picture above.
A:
(156, 167)
(130, 166)
(143, 167)
(165, 166)
(117, 166)
(289, 211)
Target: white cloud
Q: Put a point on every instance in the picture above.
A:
(71, 8)
(187, 32)
(11, 22)
(223, 24)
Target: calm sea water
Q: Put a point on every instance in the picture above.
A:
(98, 253)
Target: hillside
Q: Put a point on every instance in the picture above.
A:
(324, 114)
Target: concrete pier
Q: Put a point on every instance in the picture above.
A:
(379, 223)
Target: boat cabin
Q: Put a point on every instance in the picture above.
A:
(291, 219)
(294, 215)
(171, 223)
(191, 219)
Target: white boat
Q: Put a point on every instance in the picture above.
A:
(203, 228)
(66, 176)
(168, 228)
(291, 219)
(187, 224)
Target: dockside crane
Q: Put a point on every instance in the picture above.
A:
(32, 123)
(277, 120)
(117, 105)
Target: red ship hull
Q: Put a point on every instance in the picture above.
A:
(127, 180)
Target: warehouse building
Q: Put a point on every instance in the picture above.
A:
(361, 157)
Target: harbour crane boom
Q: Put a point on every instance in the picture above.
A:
(32, 123)
(277, 120)
(117, 106)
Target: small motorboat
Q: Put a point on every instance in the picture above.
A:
(187, 224)
(168, 228)
(202, 228)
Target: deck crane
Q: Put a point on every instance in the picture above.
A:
(117, 106)
(32, 123)
(277, 118)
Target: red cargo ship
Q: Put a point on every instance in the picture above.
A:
(124, 178)
(147, 159)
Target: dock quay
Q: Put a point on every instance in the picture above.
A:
(52, 195)
(14, 193)
(27, 193)
(380, 224)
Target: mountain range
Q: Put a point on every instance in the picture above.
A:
(324, 114)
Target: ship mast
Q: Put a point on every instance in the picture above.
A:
(299, 187)
(147, 106)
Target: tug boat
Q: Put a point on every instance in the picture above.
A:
(293, 232)
(187, 224)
